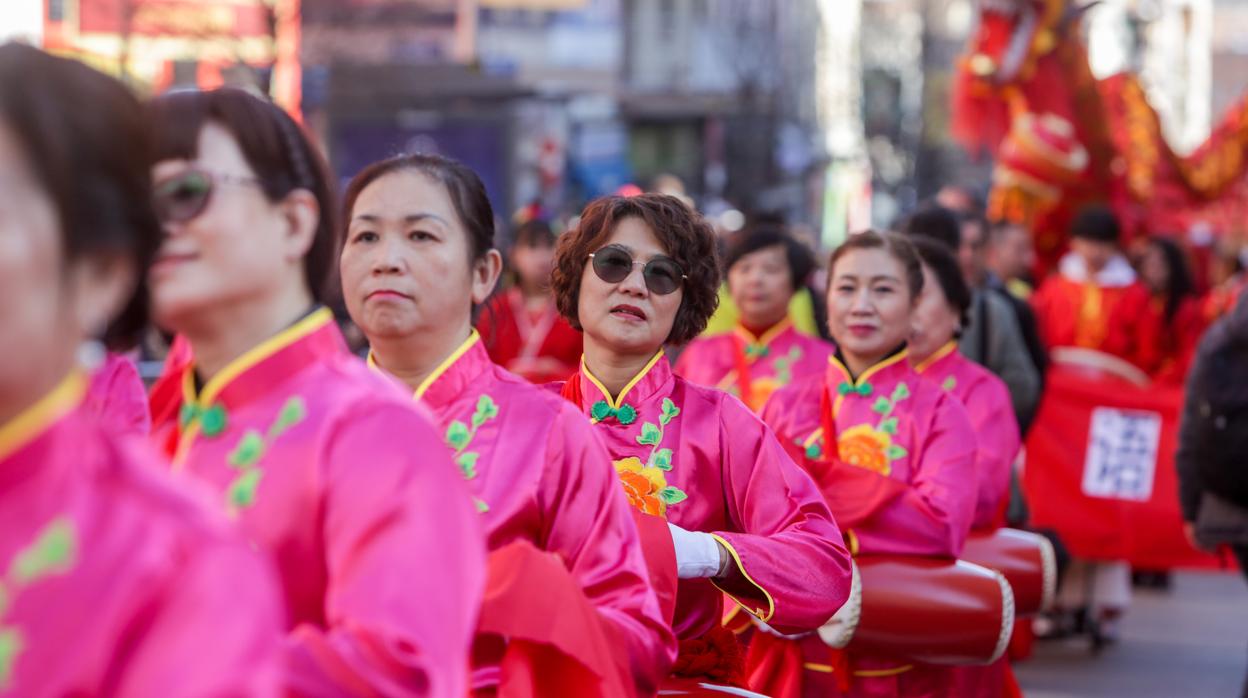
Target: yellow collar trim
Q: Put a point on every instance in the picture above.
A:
(32, 421)
(874, 369)
(212, 389)
(767, 337)
(950, 347)
(473, 338)
(615, 403)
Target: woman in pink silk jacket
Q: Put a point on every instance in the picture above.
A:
(638, 273)
(323, 464)
(113, 580)
(893, 453)
(419, 256)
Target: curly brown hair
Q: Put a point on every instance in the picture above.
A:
(683, 233)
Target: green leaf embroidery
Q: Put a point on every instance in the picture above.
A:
(671, 495)
(213, 420)
(486, 410)
(894, 452)
(670, 411)
(292, 413)
(11, 645)
(882, 406)
(457, 435)
(467, 462)
(650, 435)
(482, 507)
(889, 426)
(901, 392)
(662, 459)
(53, 552)
(949, 384)
(242, 492)
(249, 450)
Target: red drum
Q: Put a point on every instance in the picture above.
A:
(1027, 561)
(933, 611)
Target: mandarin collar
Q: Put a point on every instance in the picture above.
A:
(456, 372)
(654, 379)
(893, 364)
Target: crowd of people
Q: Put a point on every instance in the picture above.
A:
(562, 487)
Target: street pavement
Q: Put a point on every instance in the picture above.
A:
(1189, 642)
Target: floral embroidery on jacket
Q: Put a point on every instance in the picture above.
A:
(646, 484)
(246, 456)
(872, 447)
(460, 435)
(53, 552)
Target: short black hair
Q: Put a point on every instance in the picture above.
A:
(944, 266)
(1096, 223)
(801, 260)
(935, 222)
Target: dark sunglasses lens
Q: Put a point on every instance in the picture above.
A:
(181, 199)
(612, 265)
(662, 276)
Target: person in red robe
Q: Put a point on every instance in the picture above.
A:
(521, 327)
(1158, 323)
(1075, 305)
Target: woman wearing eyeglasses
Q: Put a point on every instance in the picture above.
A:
(893, 453)
(322, 463)
(638, 273)
(419, 257)
(113, 581)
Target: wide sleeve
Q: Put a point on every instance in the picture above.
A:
(790, 566)
(213, 629)
(932, 515)
(404, 558)
(996, 433)
(588, 522)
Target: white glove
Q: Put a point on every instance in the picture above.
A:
(697, 554)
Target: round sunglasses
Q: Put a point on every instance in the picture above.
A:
(613, 264)
(184, 196)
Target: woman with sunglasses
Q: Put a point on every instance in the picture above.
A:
(419, 257)
(764, 352)
(296, 437)
(893, 453)
(112, 580)
(638, 273)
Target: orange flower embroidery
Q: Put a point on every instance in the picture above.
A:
(866, 447)
(646, 487)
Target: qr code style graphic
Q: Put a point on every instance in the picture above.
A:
(1122, 454)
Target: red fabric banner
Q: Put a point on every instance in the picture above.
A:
(1100, 470)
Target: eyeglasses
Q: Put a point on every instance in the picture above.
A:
(613, 264)
(183, 197)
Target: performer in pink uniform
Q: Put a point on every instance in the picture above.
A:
(636, 274)
(324, 465)
(939, 317)
(764, 352)
(419, 256)
(113, 582)
(893, 453)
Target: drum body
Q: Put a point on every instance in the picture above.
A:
(930, 610)
(1025, 559)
